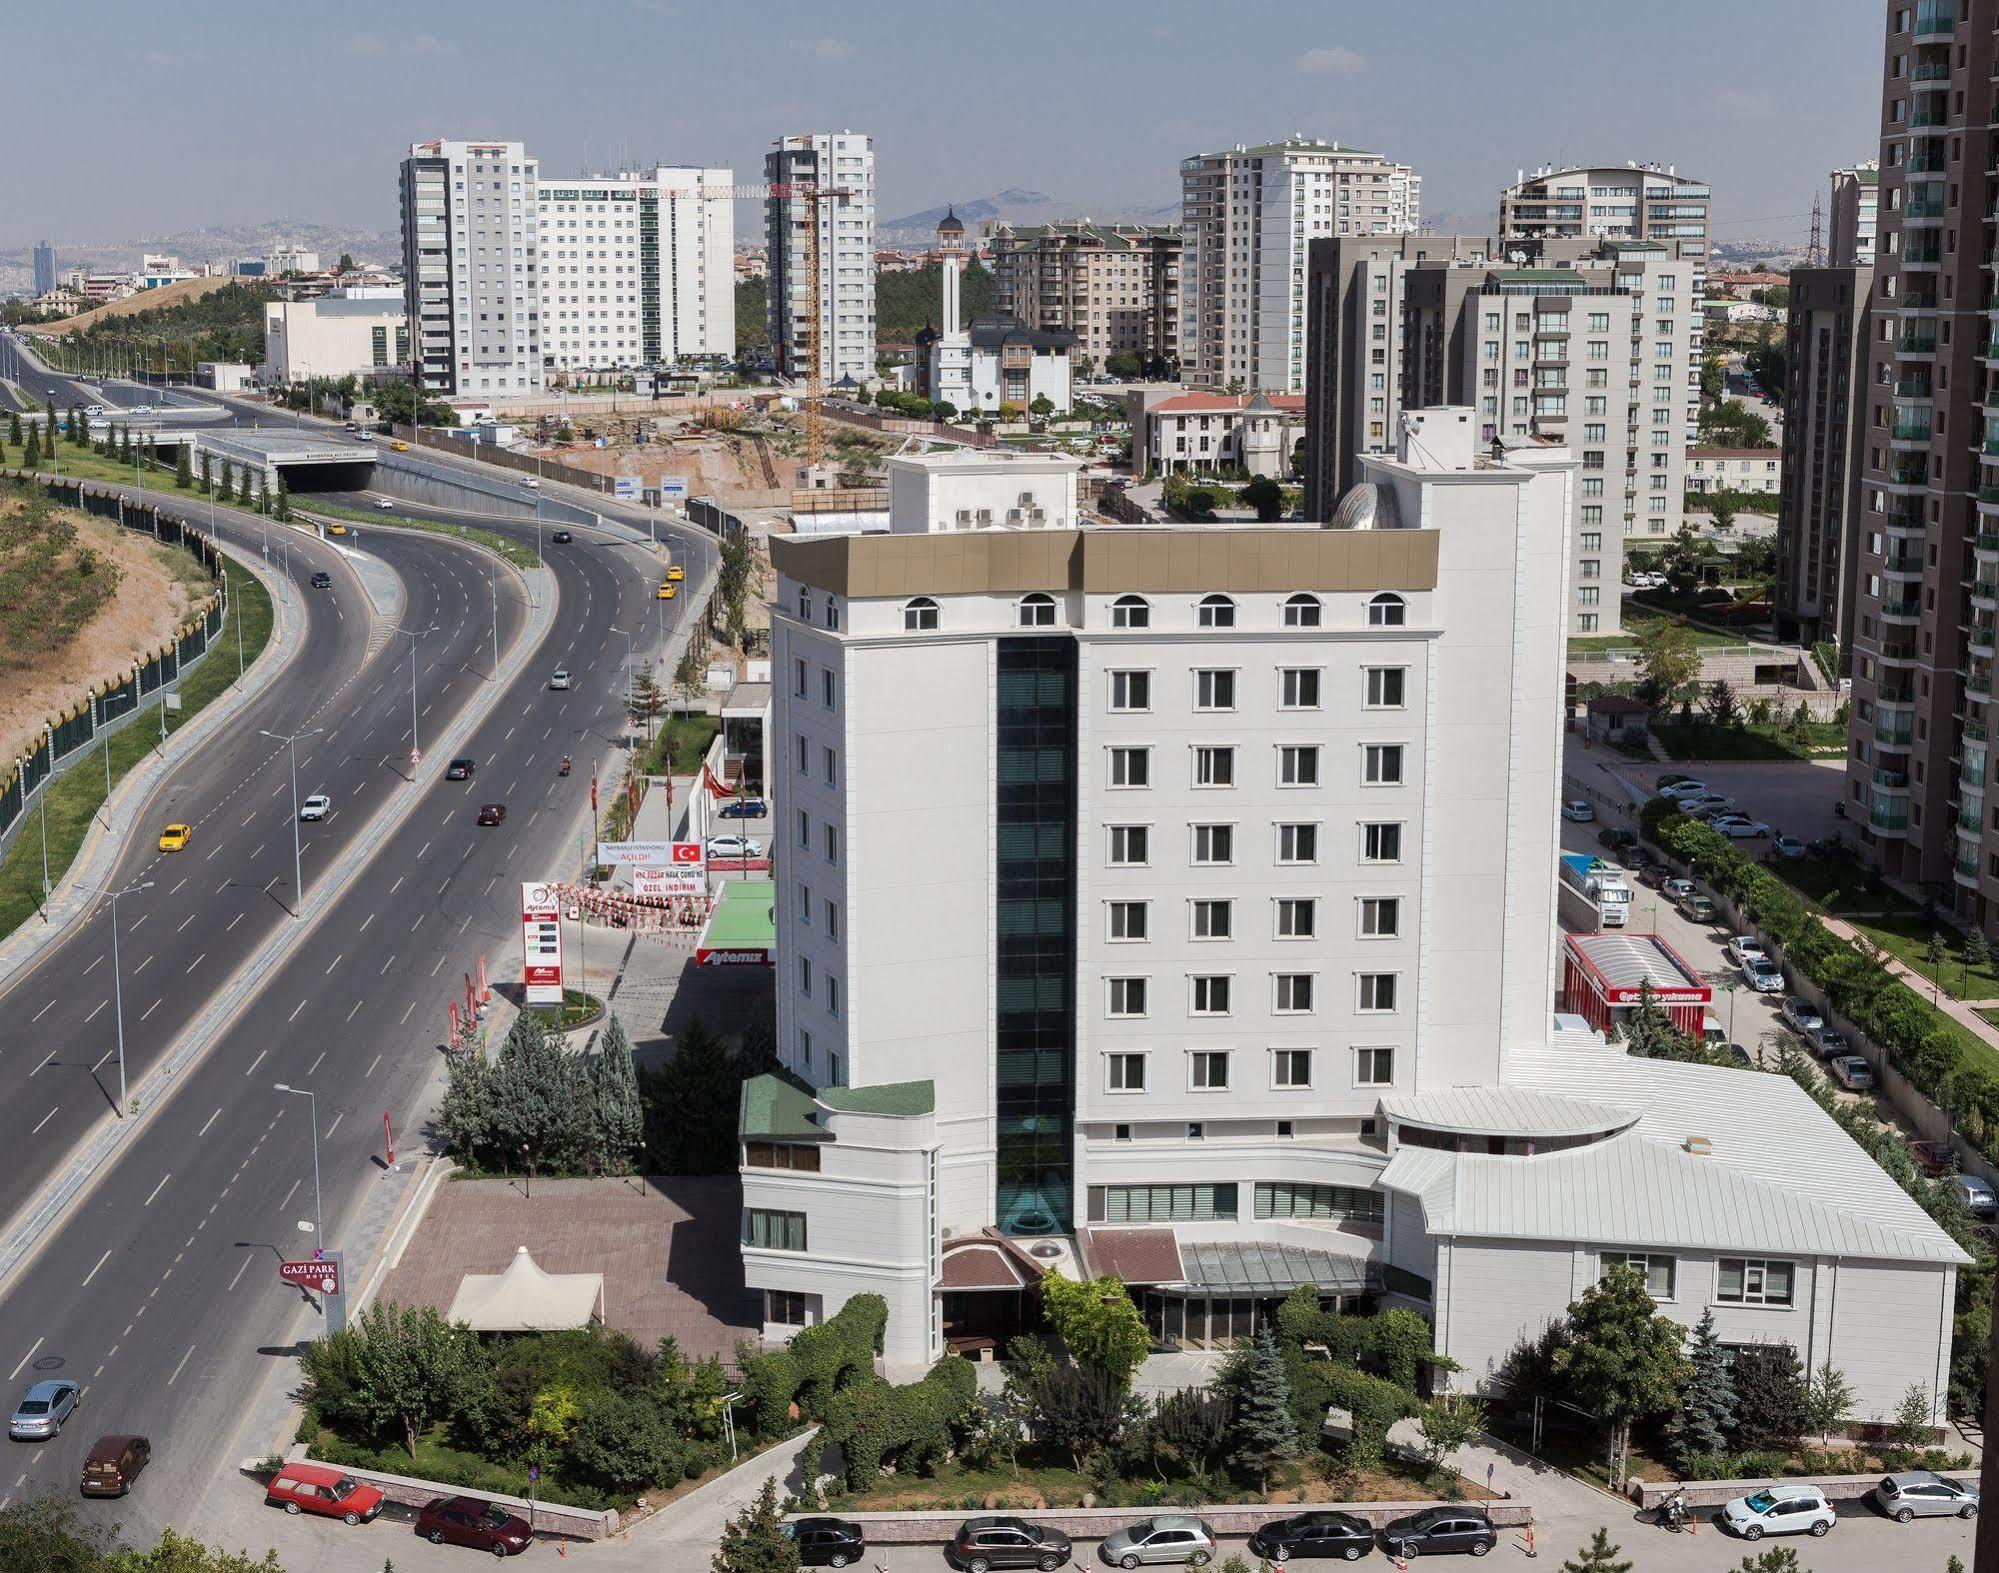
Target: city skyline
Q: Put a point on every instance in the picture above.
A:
(317, 145)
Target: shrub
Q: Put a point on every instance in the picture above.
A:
(815, 1365)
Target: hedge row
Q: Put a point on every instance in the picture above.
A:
(816, 1364)
(1918, 1039)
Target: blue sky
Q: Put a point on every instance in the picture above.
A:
(201, 112)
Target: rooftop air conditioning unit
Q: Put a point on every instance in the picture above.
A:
(1700, 1146)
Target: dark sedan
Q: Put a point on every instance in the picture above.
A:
(492, 813)
(1315, 1534)
(826, 1542)
(467, 1521)
(1440, 1529)
(748, 808)
(562, 537)
(461, 770)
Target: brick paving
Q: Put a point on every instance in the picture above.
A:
(667, 1250)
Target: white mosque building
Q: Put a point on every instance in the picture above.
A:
(998, 359)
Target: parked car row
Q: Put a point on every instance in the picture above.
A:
(1182, 1540)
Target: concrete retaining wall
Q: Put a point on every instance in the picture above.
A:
(549, 1518)
(1088, 1525)
(1712, 1493)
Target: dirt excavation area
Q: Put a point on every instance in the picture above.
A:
(79, 599)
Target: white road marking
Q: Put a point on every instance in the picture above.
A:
(142, 966)
(351, 1012)
(152, 1007)
(332, 964)
(239, 1273)
(158, 1188)
(93, 1015)
(210, 1121)
(176, 890)
(371, 1066)
(315, 1064)
(433, 972)
(327, 1134)
(364, 923)
(398, 885)
(234, 921)
(43, 1121)
(17, 1371)
(182, 1366)
(257, 1061)
(406, 1013)
(198, 960)
(52, 1054)
(184, 923)
(295, 1010)
(92, 1274)
(89, 969)
(38, 1015)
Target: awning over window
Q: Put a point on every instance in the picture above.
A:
(1255, 1267)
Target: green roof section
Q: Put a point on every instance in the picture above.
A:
(904, 1098)
(745, 917)
(772, 1108)
(1540, 276)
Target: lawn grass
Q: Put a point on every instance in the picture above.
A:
(82, 464)
(1989, 1014)
(1699, 740)
(518, 553)
(682, 744)
(577, 1008)
(1904, 935)
(72, 800)
(1818, 879)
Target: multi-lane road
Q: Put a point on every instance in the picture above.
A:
(158, 1290)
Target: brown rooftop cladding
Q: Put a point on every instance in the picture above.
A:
(1107, 562)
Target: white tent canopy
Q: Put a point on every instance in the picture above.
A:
(524, 1299)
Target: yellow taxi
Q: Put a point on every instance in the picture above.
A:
(400, 447)
(175, 837)
(675, 574)
(667, 592)
(336, 529)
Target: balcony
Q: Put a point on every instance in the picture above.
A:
(1909, 611)
(1985, 595)
(1894, 731)
(1916, 430)
(1889, 818)
(1907, 565)
(1936, 25)
(1891, 781)
(1977, 683)
(1928, 163)
(1916, 475)
(1895, 652)
(1931, 210)
(1973, 732)
(1964, 867)
(1932, 71)
(1979, 638)
(1917, 342)
(1988, 494)
(1925, 118)
(1912, 388)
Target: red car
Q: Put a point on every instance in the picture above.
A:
(467, 1521)
(492, 813)
(313, 1488)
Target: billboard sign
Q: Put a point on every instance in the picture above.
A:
(724, 956)
(626, 486)
(649, 854)
(324, 1277)
(673, 488)
(541, 943)
(671, 883)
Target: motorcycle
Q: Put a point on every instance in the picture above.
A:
(1673, 1514)
(563, 768)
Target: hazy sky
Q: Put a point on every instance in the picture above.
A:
(198, 113)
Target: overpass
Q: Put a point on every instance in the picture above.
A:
(308, 460)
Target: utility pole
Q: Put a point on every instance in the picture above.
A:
(298, 864)
(318, 1217)
(413, 635)
(118, 983)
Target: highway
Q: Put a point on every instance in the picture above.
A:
(159, 1290)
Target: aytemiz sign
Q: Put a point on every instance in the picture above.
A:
(719, 956)
(541, 943)
(322, 1276)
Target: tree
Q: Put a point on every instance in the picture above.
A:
(539, 1099)
(1599, 1556)
(243, 487)
(614, 1097)
(1723, 709)
(735, 577)
(1076, 1409)
(1266, 497)
(1914, 1425)
(345, 264)
(1622, 1359)
(1667, 660)
(398, 1368)
(944, 410)
(32, 459)
(1707, 1402)
(1828, 1400)
(754, 1541)
(1714, 375)
(227, 481)
(625, 1442)
(1125, 366)
(691, 1105)
(1042, 406)
(1262, 1434)
(1449, 1423)
(1097, 1322)
(281, 499)
(183, 472)
(14, 427)
(1721, 509)
(1977, 951)
(1781, 1559)
(464, 1116)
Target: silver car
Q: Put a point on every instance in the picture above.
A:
(42, 1410)
(1176, 1538)
(1917, 1493)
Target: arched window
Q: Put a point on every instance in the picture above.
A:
(1131, 611)
(1387, 611)
(804, 604)
(1215, 611)
(1301, 611)
(1037, 611)
(919, 616)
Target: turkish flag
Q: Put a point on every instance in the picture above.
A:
(593, 794)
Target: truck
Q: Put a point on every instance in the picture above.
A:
(1595, 894)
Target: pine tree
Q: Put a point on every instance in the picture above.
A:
(1707, 1402)
(1828, 1400)
(32, 460)
(1977, 950)
(14, 427)
(125, 443)
(1599, 1556)
(614, 1095)
(227, 484)
(243, 487)
(281, 500)
(183, 471)
(539, 1100)
(1262, 1433)
(754, 1541)
(207, 472)
(692, 1103)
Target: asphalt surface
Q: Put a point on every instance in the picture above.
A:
(159, 1291)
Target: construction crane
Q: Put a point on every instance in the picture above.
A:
(812, 195)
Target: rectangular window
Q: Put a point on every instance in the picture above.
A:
(1127, 920)
(1380, 916)
(773, 1231)
(1298, 688)
(1297, 917)
(1161, 1203)
(1208, 1070)
(1214, 844)
(1290, 1068)
(1214, 919)
(1214, 767)
(1384, 687)
(1334, 1203)
(1129, 845)
(1214, 690)
(1127, 996)
(1381, 764)
(1297, 843)
(1124, 1073)
(830, 761)
(1131, 767)
(1376, 991)
(803, 752)
(1746, 1281)
(1294, 993)
(1381, 843)
(788, 1307)
(1657, 1271)
(1210, 995)
(1131, 691)
(1298, 764)
(832, 839)
(832, 920)
(1374, 1066)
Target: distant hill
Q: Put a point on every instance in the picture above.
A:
(1013, 206)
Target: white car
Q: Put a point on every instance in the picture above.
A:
(318, 806)
(1784, 1509)
(1738, 827)
(384, 503)
(1741, 948)
(1579, 811)
(1681, 791)
(734, 847)
(1979, 1199)
(1707, 805)
(1829, 1044)
(560, 678)
(1852, 1072)
(1762, 975)
(1802, 1016)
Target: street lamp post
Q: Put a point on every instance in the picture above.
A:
(413, 635)
(118, 983)
(493, 588)
(318, 1220)
(290, 740)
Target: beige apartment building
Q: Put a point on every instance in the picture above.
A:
(1851, 218)
(1115, 286)
(1248, 215)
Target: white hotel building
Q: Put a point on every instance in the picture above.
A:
(1180, 903)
